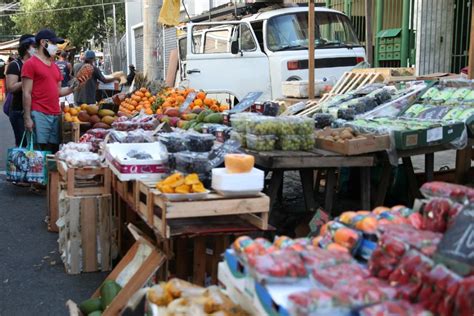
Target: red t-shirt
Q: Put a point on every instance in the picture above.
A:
(45, 94)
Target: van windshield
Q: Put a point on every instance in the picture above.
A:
(290, 31)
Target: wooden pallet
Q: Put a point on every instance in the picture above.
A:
(159, 212)
(86, 238)
(85, 181)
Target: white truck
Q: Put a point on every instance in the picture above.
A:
(261, 51)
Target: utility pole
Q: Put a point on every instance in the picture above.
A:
(151, 10)
(311, 15)
(368, 32)
(115, 25)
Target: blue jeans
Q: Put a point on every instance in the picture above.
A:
(18, 125)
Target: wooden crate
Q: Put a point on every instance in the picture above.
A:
(159, 212)
(52, 192)
(127, 190)
(142, 261)
(85, 181)
(86, 233)
(72, 131)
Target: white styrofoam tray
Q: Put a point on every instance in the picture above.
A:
(237, 184)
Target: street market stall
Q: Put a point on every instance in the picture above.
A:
(166, 179)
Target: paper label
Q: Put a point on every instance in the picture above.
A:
(246, 102)
(187, 101)
(434, 134)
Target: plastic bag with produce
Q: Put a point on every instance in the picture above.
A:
(320, 302)
(335, 232)
(279, 266)
(463, 303)
(343, 273)
(409, 275)
(439, 214)
(386, 256)
(439, 290)
(367, 291)
(392, 308)
(456, 192)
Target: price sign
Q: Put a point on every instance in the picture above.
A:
(246, 102)
(456, 249)
(187, 101)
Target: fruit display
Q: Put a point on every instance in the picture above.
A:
(140, 100)
(339, 135)
(189, 162)
(338, 275)
(95, 306)
(284, 265)
(98, 118)
(239, 163)
(260, 142)
(386, 256)
(129, 137)
(335, 232)
(174, 98)
(178, 297)
(199, 142)
(95, 137)
(178, 183)
(143, 121)
(174, 142)
(78, 155)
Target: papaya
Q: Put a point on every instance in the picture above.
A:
(215, 118)
(183, 189)
(239, 163)
(108, 292)
(198, 188)
(105, 112)
(191, 179)
(198, 127)
(84, 116)
(92, 109)
(101, 125)
(202, 115)
(172, 178)
(90, 305)
(109, 119)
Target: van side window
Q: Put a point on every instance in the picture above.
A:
(247, 41)
(258, 30)
(217, 42)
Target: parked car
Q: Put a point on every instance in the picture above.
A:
(259, 52)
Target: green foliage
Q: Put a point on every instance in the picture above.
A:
(78, 25)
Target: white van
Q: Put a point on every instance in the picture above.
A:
(259, 52)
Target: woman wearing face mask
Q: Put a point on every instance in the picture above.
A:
(41, 80)
(13, 82)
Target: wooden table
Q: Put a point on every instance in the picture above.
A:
(306, 163)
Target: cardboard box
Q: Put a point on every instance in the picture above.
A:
(370, 143)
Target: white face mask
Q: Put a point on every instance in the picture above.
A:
(32, 51)
(52, 49)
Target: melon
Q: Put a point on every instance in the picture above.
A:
(239, 163)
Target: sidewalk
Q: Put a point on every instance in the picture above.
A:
(32, 277)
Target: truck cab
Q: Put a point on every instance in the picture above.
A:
(261, 51)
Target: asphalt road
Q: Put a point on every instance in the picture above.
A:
(32, 277)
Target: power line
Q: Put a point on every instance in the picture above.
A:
(63, 9)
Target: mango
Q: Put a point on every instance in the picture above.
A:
(90, 305)
(101, 125)
(108, 119)
(189, 116)
(172, 112)
(84, 116)
(92, 109)
(94, 119)
(105, 112)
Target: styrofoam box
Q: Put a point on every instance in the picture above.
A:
(127, 168)
(237, 184)
(299, 89)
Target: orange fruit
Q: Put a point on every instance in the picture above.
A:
(149, 111)
(159, 111)
(179, 99)
(147, 94)
(368, 224)
(208, 102)
(346, 237)
(198, 102)
(201, 95)
(134, 103)
(143, 90)
(223, 107)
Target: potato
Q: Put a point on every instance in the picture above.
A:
(345, 134)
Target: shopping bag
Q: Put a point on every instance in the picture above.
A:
(26, 165)
(7, 104)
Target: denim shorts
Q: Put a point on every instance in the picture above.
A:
(46, 127)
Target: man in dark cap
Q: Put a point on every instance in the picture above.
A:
(86, 94)
(131, 75)
(41, 83)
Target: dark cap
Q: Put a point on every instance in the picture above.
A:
(49, 35)
(26, 40)
(89, 55)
